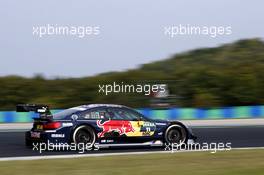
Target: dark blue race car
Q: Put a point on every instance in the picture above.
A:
(105, 125)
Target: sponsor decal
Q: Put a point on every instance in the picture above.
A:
(121, 126)
(148, 124)
(42, 110)
(39, 127)
(148, 128)
(57, 135)
(67, 124)
(35, 134)
(107, 141)
(161, 124)
(160, 133)
(146, 133)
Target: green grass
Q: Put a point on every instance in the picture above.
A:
(242, 162)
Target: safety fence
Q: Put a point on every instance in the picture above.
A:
(238, 112)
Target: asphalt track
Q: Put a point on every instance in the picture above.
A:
(12, 143)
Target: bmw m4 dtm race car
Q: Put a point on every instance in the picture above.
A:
(105, 125)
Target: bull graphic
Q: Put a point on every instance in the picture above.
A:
(121, 126)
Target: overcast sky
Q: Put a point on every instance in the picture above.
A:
(131, 32)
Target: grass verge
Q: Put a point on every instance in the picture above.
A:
(242, 162)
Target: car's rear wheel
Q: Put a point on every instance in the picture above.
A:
(175, 134)
(84, 136)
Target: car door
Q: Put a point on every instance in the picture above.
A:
(110, 127)
(136, 128)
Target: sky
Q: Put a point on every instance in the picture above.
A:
(131, 33)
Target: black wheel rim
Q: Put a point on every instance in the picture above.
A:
(83, 137)
(174, 136)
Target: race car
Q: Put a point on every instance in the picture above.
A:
(105, 125)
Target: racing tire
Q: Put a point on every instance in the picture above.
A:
(84, 136)
(175, 134)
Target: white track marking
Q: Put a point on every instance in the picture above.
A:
(110, 154)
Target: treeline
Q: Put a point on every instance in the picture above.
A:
(232, 74)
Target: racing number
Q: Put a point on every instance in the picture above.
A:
(147, 129)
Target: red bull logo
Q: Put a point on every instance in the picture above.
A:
(120, 126)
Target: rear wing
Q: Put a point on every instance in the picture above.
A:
(42, 110)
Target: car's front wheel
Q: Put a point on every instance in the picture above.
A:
(175, 134)
(84, 136)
